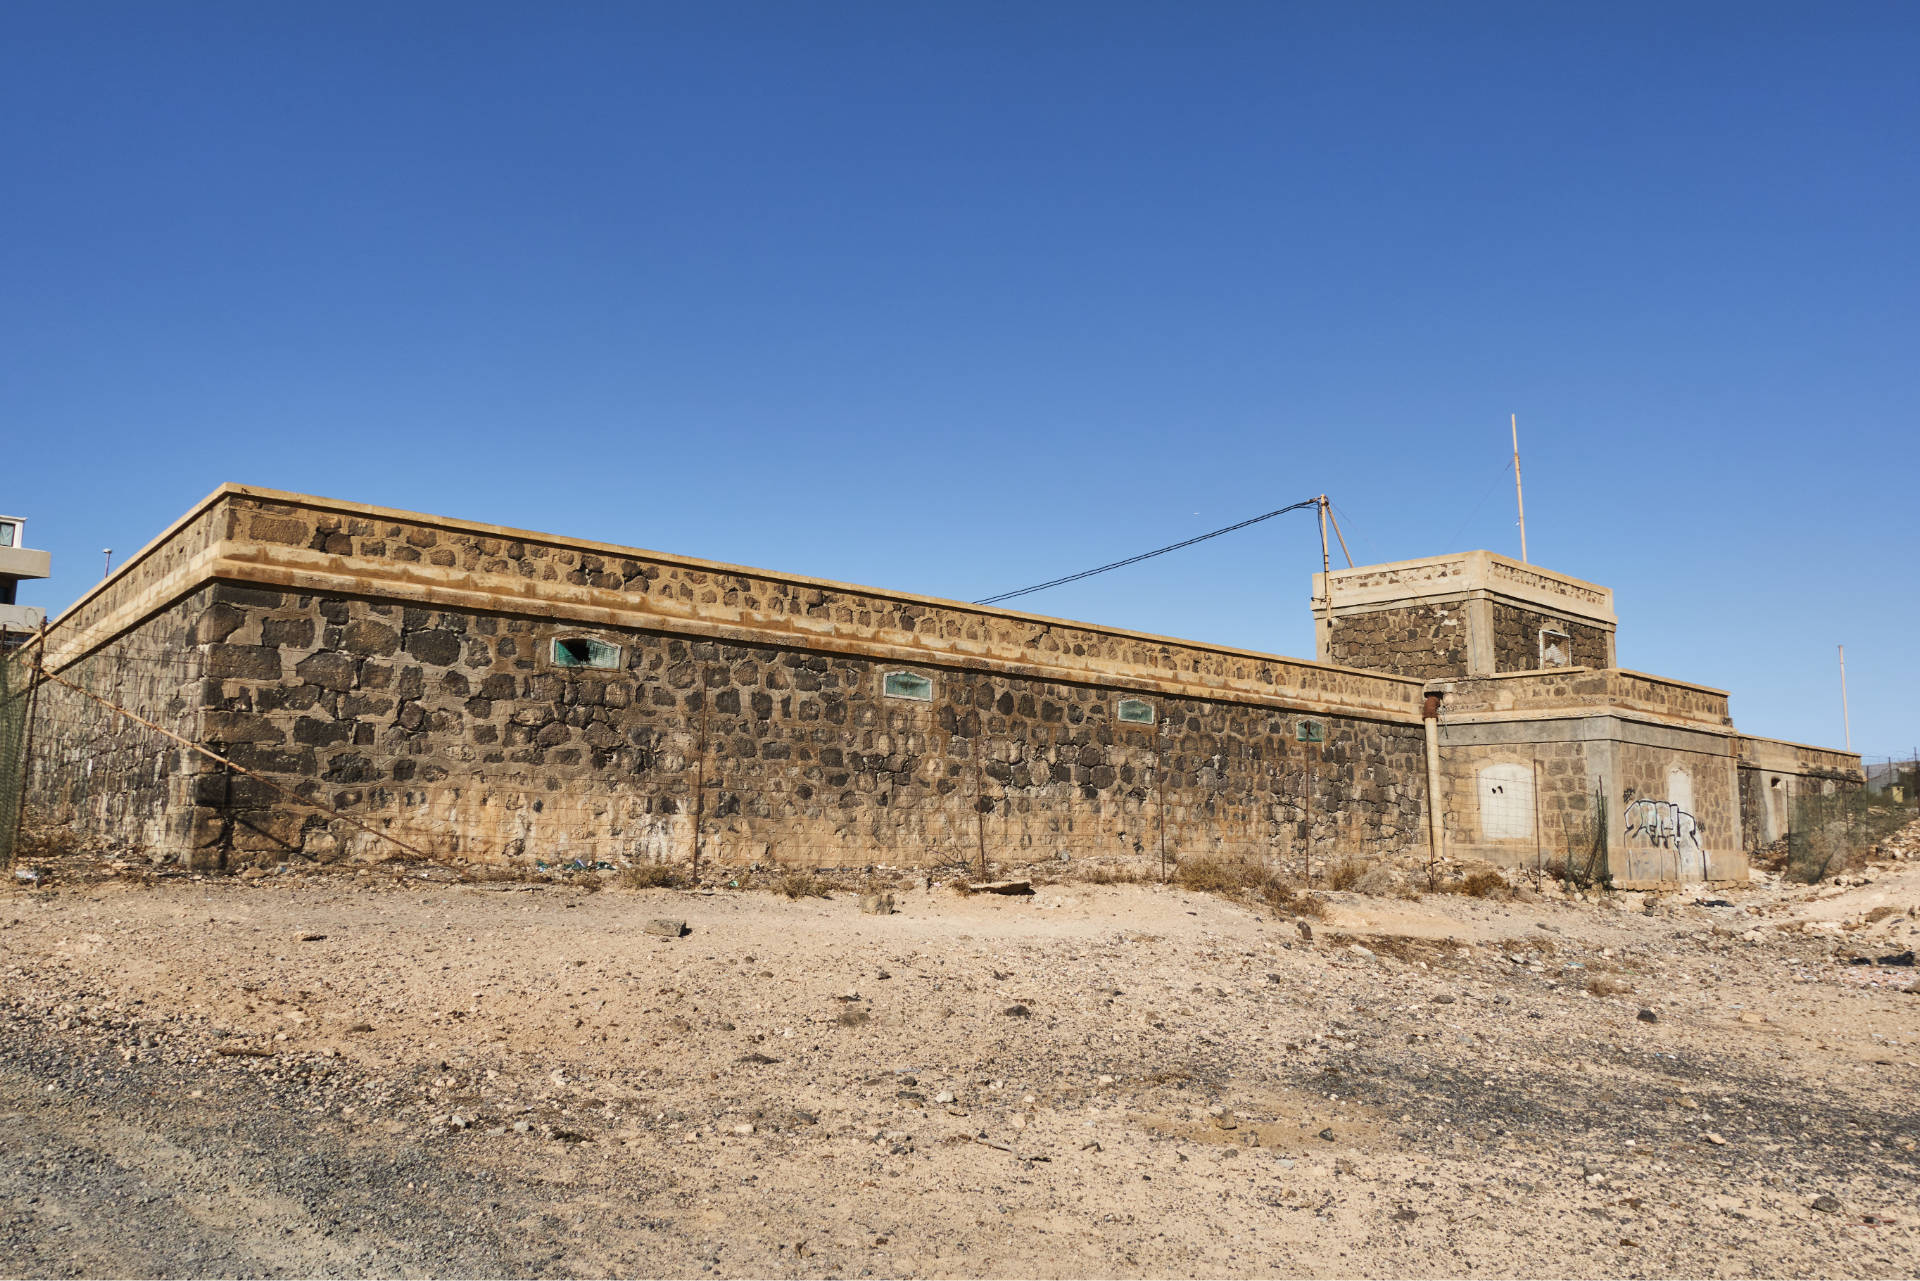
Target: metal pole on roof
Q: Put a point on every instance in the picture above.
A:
(1326, 561)
(1518, 496)
(1325, 601)
(1846, 720)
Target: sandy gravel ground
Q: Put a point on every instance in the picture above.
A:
(394, 1074)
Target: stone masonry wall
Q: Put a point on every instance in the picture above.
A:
(105, 778)
(1585, 688)
(1773, 774)
(1659, 801)
(1516, 639)
(404, 556)
(1677, 815)
(455, 731)
(1559, 821)
(1423, 641)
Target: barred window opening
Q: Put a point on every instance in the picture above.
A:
(910, 685)
(584, 651)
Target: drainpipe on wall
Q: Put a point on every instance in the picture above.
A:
(1436, 832)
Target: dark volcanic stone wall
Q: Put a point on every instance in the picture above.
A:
(1422, 641)
(455, 731)
(104, 778)
(1516, 639)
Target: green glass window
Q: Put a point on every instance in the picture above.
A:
(6, 533)
(584, 651)
(909, 685)
(1135, 711)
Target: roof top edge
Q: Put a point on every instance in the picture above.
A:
(233, 490)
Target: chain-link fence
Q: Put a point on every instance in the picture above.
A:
(1897, 777)
(16, 701)
(1834, 831)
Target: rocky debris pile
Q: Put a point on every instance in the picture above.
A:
(1901, 847)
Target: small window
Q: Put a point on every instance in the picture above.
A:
(7, 533)
(1310, 731)
(1135, 711)
(909, 685)
(1556, 648)
(584, 651)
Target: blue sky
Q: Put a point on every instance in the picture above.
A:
(958, 298)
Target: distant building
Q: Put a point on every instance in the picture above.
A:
(17, 622)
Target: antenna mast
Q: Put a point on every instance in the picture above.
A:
(1518, 496)
(1846, 721)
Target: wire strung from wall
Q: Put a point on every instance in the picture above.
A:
(1473, 513)
(235, 767)
(1135, 560)
(1344, 517)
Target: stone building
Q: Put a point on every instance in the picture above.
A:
(18, 562)
(498, 695)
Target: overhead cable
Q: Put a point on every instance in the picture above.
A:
(1135, 560)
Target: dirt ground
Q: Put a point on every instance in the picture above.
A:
(393, 1074)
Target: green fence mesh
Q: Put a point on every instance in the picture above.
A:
(15, 699)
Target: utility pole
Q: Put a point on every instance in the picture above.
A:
(1326, 561)
(1518, 496)
(1323, 625)
(1846, 721)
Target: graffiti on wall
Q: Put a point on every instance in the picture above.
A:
(1666, 825)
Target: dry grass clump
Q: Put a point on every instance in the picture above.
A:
(1111, 876)
(651, 876)
(495, 874)
(797, 883)
(1433, 953)
(1247, 882)
(1221, 876)
(1344, 876)
(1284, 899)
(1608, 987)
(48, 842)
(1480, 884)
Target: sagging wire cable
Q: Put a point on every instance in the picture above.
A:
(1135, 560)
(1346, 519)
(1473, 513)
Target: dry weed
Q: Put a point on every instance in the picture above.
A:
(651, 876)
(1110, 876)
(1401, 947)
(1344, 876)
(37, 842)
(1608, 987)
(1246, 882)
(796, 883)
(1221, 876)
(1481, 884)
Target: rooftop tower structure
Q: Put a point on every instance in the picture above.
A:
(1473, 614)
